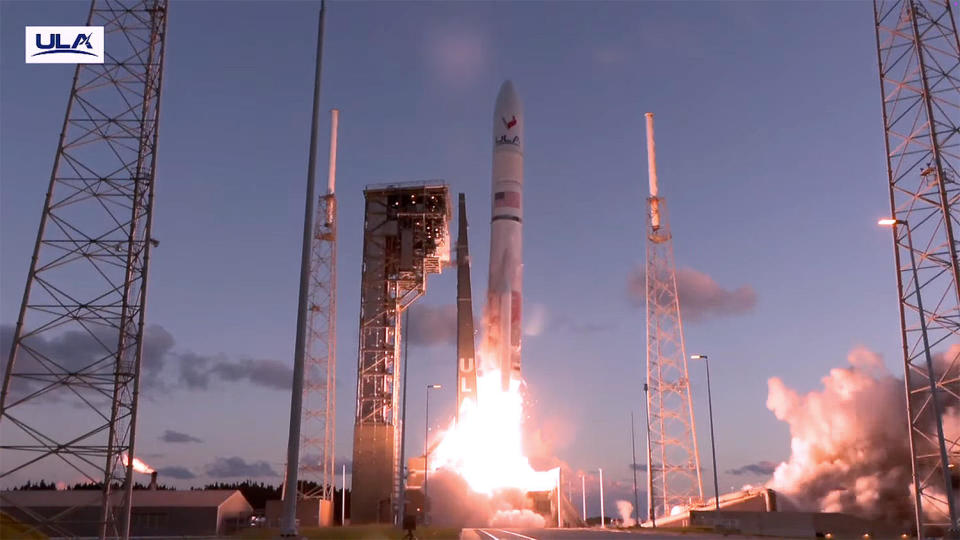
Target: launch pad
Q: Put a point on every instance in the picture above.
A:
(406, 236)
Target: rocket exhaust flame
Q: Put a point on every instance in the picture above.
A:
(486, 447)
(138, 466)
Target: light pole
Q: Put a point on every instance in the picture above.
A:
(426, 452)
(650, 507)
(603, 517)
(636, 493)
(713, 446)
(583, 496)
(944, 463)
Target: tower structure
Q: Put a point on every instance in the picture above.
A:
(316, 478)
(673, 473)
(70, 391)
(406, 237)
(919, 59)
(466, 346)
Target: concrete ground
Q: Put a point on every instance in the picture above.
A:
(586, 534)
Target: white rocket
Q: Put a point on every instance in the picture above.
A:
(505, 287)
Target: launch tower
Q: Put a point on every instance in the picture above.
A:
(71, 410)
(673, 474)
(406, 236)
(919, 57)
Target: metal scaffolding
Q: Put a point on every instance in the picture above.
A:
(673, 473)
(70, 388)
(406, 237)
(919, 61)
(316, 478)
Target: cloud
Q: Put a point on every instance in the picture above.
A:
(432, 325)
(456, 54)
(78, 350)
(267, 373)
(233, 467)
(172, 436)
(173, 471)
(760, 468)
(196, 371)
(701, 298)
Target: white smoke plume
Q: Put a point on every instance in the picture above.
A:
(519, 519)
(849, 442)
(625, 509)
(454, 504)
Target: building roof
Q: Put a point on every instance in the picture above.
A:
(209, 498)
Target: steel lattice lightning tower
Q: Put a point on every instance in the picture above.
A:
(673, 474)
(919, 58)
(70, 388)
(316, 477)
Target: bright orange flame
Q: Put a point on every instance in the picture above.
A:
(138, 465)
(485, 448)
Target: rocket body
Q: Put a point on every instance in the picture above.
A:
(505, 287)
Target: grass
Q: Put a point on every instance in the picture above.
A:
(11, 528)
(358, 532)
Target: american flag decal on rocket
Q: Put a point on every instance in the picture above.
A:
(509, 199)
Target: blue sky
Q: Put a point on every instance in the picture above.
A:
(770, 153)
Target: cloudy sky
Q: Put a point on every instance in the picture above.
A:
(770, 154)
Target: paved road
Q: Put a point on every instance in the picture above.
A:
(586, 534)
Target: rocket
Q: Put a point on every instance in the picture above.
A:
(505, 286)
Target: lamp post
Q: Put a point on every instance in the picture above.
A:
(603, 517)
(713, 446)
(583, 497)
(426, 453)
(944, 462)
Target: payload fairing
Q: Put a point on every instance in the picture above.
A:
(505, 286)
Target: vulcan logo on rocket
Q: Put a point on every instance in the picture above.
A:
(515, 140)
(505, 138)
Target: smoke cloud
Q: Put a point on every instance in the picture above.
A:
(454, 504)
(701, 298)
(520, 519)
(625, 509)
(849, 444)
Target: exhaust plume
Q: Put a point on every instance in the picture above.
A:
(625, 509)
(849, 442)
(138, 465)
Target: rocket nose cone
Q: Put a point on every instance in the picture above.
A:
(507, 98)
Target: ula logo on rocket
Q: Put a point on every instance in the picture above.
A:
(64, 44)
(510, 124)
